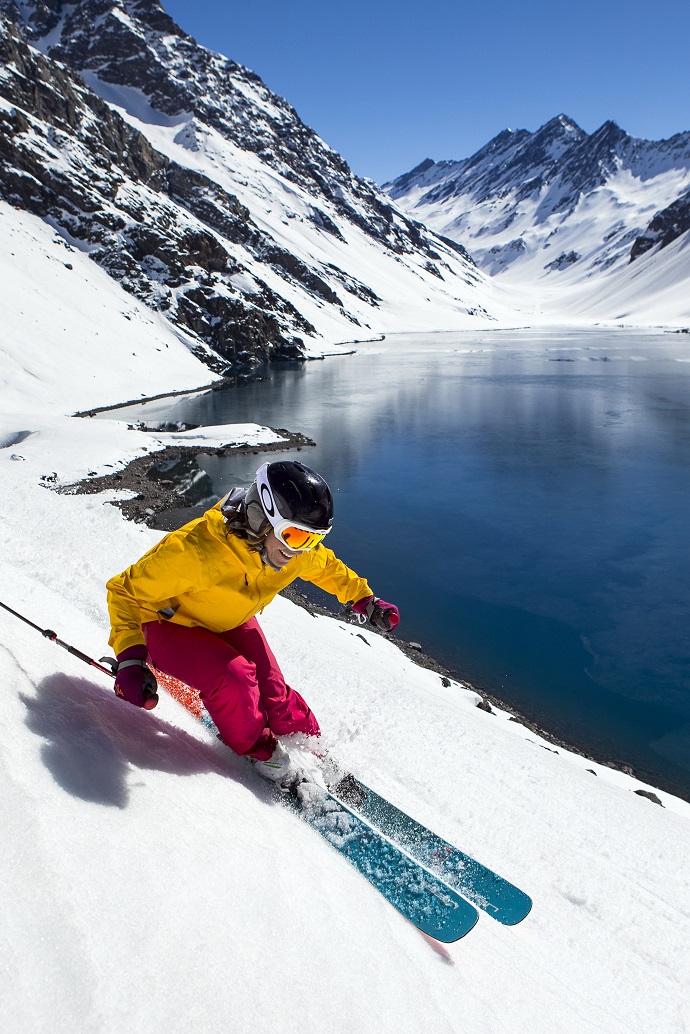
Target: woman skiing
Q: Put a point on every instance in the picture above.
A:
(190, 604)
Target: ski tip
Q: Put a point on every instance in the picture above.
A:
(450, 936)
(454, 929)
(517, 914)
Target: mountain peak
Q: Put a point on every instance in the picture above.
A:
(423, 166)
(609, 130)
(41, 18)
(543, 187)
(407, 178)
(561, 124)
(568, 123)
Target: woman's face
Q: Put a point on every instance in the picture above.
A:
(277, 552)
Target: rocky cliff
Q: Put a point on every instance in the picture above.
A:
(665, 227)
(201, 191)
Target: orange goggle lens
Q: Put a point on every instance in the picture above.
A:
(300, 538)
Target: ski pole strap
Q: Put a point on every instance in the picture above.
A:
(133, 662)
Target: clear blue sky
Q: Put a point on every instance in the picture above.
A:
(390, 83)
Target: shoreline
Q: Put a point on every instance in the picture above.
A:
(416, 653)
(162, 479)
(171, 476)
(224, 383)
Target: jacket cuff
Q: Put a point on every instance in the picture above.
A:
(132, 640)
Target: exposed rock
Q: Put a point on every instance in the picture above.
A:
(182, 472)
(665, 227)
(169, 486)
(650, 796)
(146, 220)
(564, 260)
(501, 256)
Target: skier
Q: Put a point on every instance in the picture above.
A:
(190, 604)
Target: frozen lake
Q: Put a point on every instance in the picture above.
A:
(525, 499)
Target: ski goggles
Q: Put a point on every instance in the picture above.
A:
(297, 537)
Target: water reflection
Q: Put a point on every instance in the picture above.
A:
(525, 498)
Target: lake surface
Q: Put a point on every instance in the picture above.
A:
(525, 499)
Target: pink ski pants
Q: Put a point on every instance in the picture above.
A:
(239, 681)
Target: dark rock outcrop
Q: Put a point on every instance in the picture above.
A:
(665, 227)
(159, 229)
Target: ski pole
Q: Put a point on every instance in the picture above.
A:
(49, 634)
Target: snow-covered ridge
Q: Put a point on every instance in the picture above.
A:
(205, 195)
(558, 205)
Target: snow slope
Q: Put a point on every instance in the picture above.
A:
(654, 289)
(62, 313)
(150, 883)
(153, 885)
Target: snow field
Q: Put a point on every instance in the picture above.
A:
(153, 880)
(653, 289)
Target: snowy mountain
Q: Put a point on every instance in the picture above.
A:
(204, 194)
(557, 201)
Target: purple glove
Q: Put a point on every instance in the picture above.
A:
(382, 615)
(134, 682)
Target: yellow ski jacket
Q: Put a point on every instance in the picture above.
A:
(202, 575)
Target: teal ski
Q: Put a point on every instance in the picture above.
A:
(430, 882)
(460, 872)
(419, 895)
